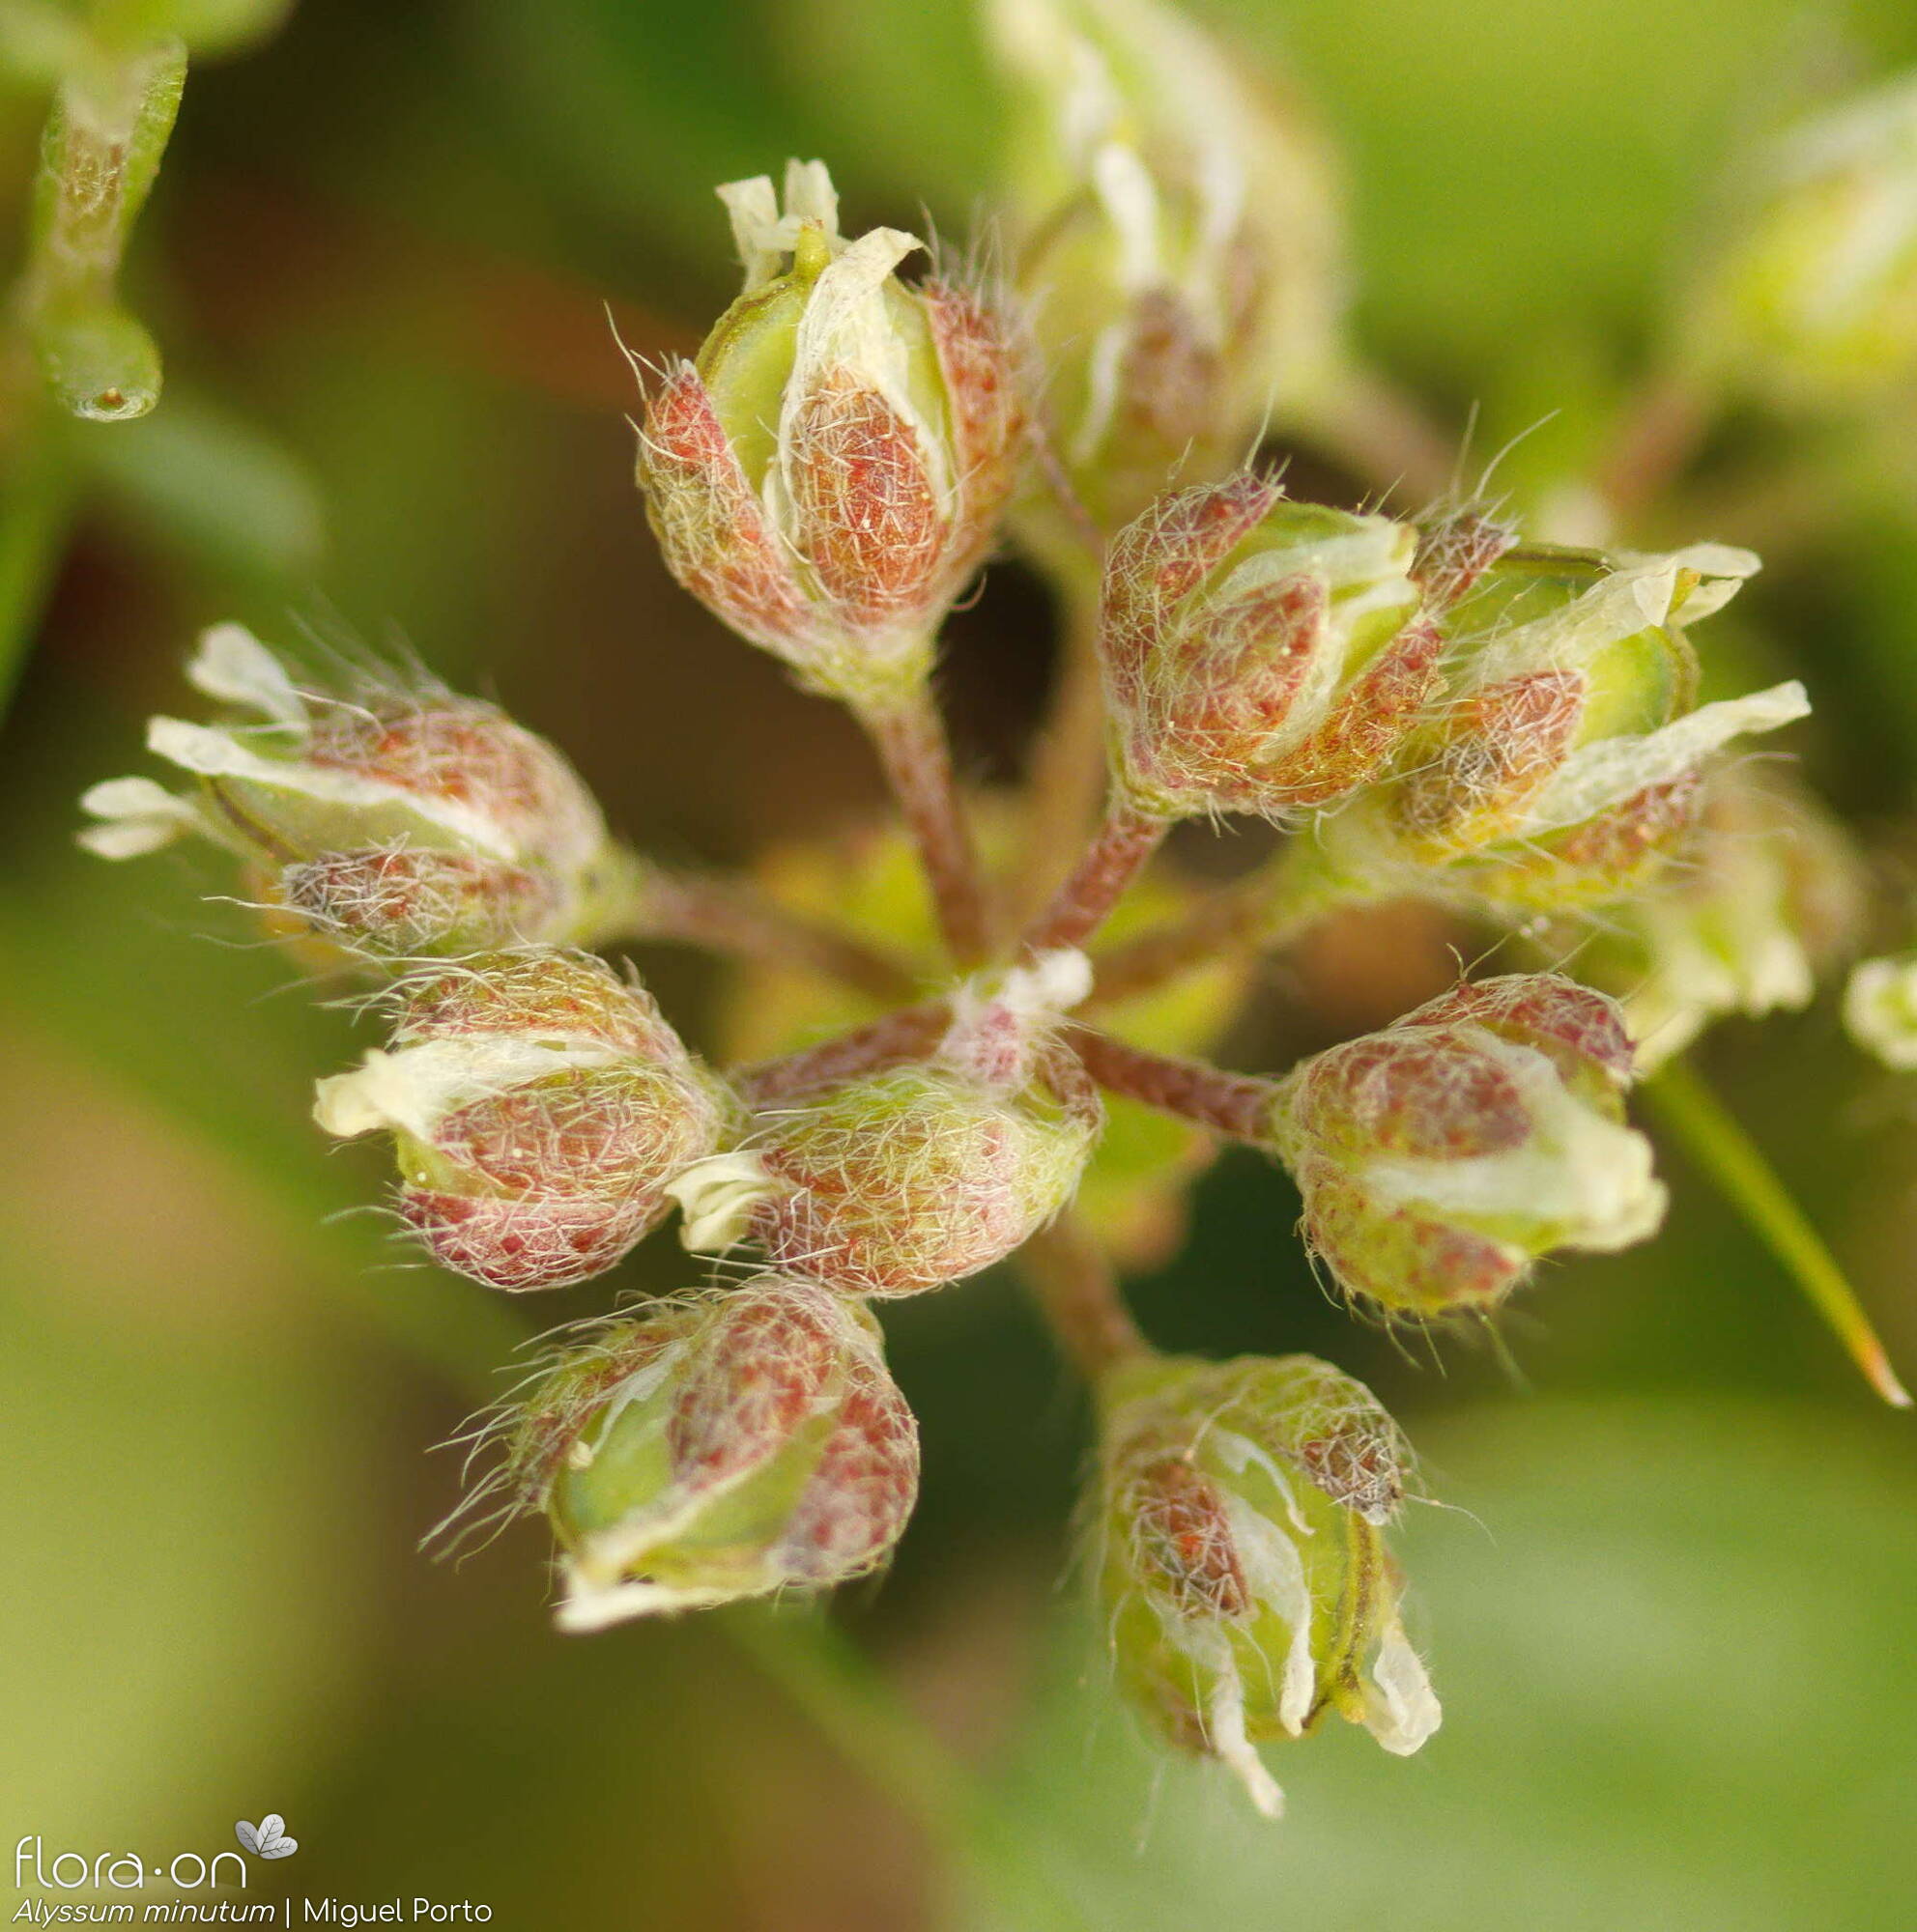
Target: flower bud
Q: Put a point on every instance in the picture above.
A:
(1812, 300)
(1566, 759)
(387, 820)
(721, 1446)
(905, 1179)
(1244, 1577)
(1765, 894)
(1880, 1009)
(1439, 1158)
(829, 473)
(540, 1105)
(1177, 241)
(1260, 655)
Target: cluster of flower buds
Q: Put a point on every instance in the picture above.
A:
(1813, 299)
(720, 1446)
(904, 1178)
(1260, 655)
(1566, 755)
(1247, 1586)
(387, 819)
(1763, 896)
(1439, 1158)
(829, 472)
(539, 1107)
(1177, 244)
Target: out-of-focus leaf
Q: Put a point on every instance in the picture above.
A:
(216, 487)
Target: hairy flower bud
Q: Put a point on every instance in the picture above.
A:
(1244, 1577)
(721, 1446)
(1439, 1158)
(388, 818)
(917, 1175)
(1177, 242)
(1260, 655)
(1564, 760)
(829, 473)
(1812, 300)
(1766, 894)
(540, 1105)
(1880, 1009)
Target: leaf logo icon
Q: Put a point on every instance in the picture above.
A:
(268, 1838)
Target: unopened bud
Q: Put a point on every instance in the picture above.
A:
(721, 1446)
(1260, 655)
(390, 820)
(1813, 298)
(1246, 1583)
(829, 473)
(540, 1105)
(903, 1179)
(1439, 1158)
(1177, 241)
(1566, 759)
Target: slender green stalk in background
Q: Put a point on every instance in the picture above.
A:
(1708, 1131)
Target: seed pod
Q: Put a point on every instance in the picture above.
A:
(1812, 299)
(904, 1178)
(389, 819)
(1440, 1157)
(1245, 1580)
(1564, 761)
(721, 1446)
(829, 473)
(1764, 896)
(1176, 238)
(1259, 655)
(540, 1105)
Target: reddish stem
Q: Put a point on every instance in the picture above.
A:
(1121, 847)
(908, 1034)
(1235, 1104)
(911, 740)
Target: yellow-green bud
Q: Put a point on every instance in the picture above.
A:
(1813, 298)
(540, 1105)
(1176, 238)
(723, 1445)
(829, 473)
(1564, 758)
(1245, 1578)
(1439, 1158)
(904, 1178)
(1764, 895)
(389, 818)
(1259, 655)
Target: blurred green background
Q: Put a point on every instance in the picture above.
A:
(1670, 1612)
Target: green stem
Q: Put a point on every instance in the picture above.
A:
(1699, 1120)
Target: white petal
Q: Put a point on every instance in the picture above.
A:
(1614, 769)
(1880, 1009)
(412, 1088)
(233, 665)
(140, 816)
(1225, 1727)
(717, 1197)
(756, 234)
(1401, 1709)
